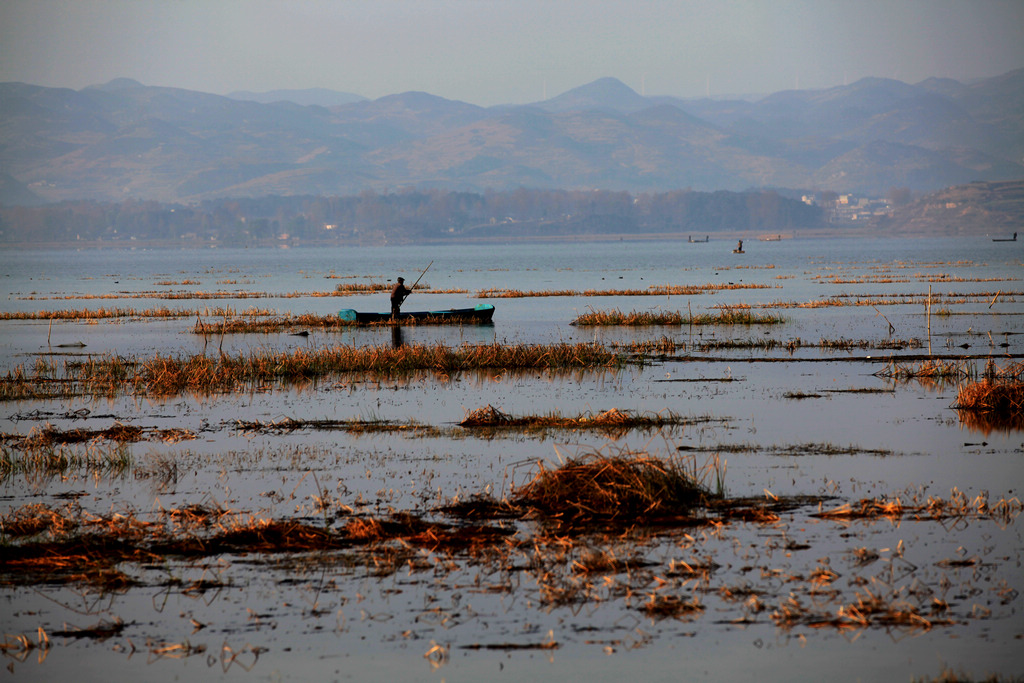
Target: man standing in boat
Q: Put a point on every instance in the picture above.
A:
(398, 295)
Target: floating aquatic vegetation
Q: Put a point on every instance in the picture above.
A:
(49, 436)
(958, 505)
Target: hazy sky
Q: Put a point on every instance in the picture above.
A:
(505, 51)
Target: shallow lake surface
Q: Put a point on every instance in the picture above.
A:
(806, 410)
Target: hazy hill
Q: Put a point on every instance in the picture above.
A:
(607, 94)
(126, 140)
(308, 97)
(978, 208)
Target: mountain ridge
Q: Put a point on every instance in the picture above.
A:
(124, 140)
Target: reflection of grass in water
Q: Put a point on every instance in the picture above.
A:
(736, 315)
(59, 460)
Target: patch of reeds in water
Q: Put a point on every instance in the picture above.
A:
(734, 315)
(931, 369)
(98, 314)
(169, 375)
(994, 403)
(634, 487)
(613, 420)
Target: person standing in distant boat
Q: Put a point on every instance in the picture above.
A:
(398, 295)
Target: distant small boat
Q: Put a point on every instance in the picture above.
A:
(739, 248)
(698, 240)
(1005, 239)
(479, 314)
(770, 238)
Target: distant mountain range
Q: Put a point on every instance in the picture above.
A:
(124, 140)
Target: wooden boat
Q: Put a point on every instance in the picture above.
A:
(1005, 239)
(479, 314)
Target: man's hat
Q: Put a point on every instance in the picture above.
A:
(401, 279)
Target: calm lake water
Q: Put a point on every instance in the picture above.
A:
(806, 421)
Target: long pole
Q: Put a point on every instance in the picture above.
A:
(419, 278)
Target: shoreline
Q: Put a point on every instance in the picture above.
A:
(683, 238)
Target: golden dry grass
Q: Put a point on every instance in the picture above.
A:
(994, 403)
(170, 375)
(733, 315)
(631, 486)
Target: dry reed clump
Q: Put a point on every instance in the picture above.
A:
(633, 318)
(672, 606)
(987, 405)
(928, 369)
(630, 486)
(733, 315)
(995, 402)
(488, 416)
(611, 419)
